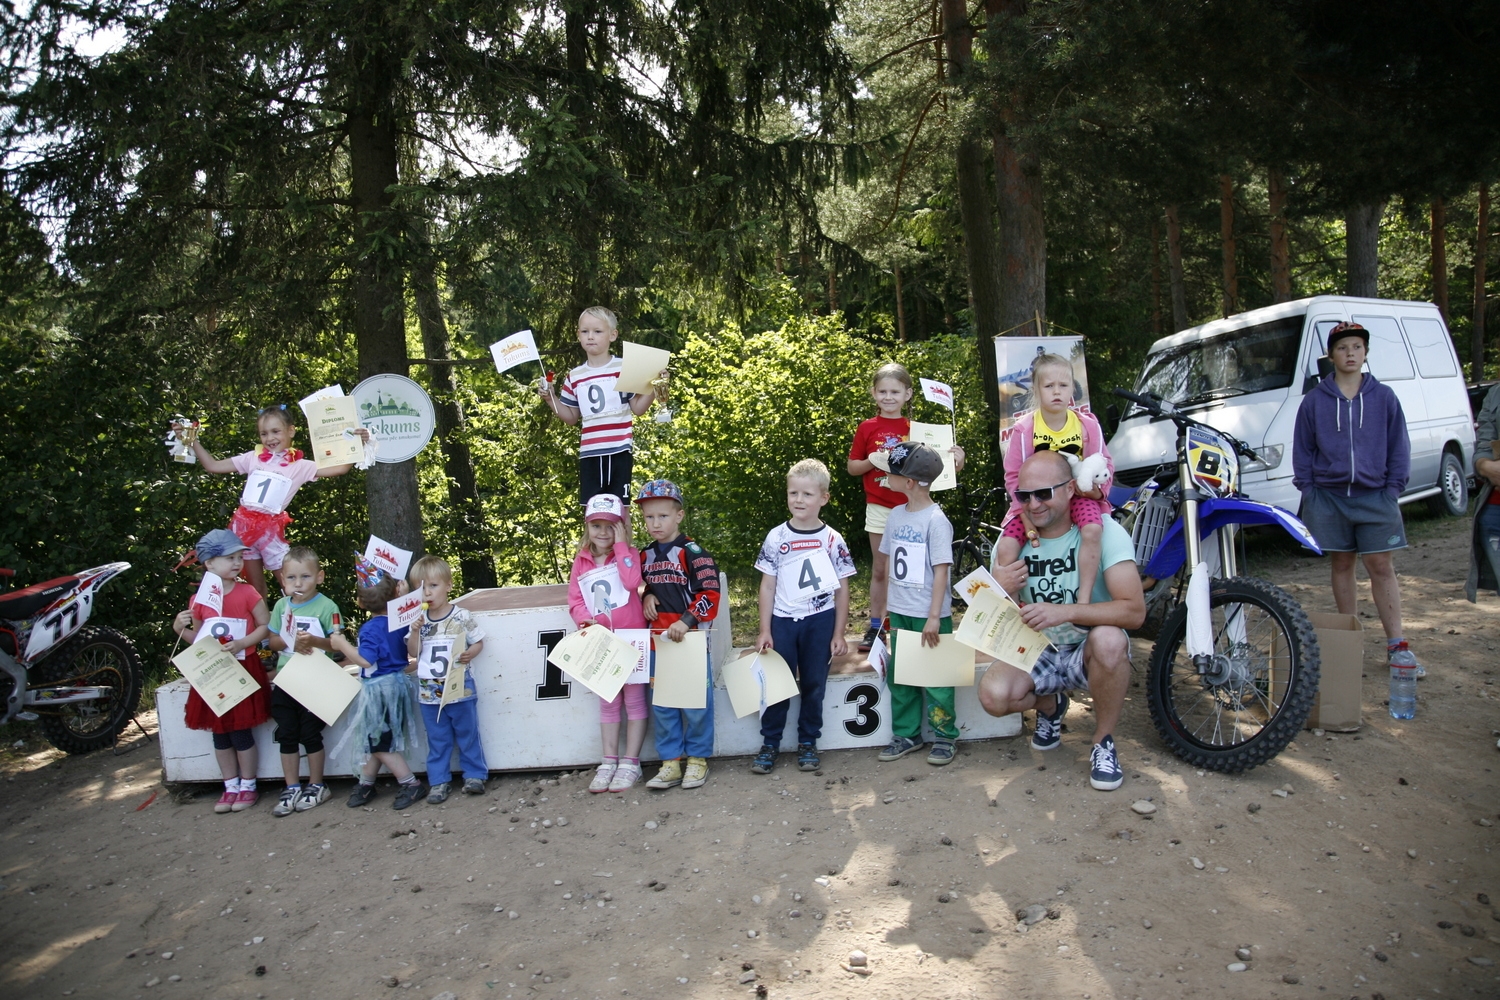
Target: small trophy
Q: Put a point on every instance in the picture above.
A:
(181, 438)
(659, 386)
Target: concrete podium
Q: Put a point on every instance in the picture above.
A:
(533, 716)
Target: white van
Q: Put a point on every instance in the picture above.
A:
(1246, 375)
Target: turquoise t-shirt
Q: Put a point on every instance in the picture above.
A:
(1053, 568)
(319, 615)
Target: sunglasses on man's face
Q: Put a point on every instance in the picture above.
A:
(1044, 494)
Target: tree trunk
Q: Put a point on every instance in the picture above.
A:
(1174, 268)
(1226, 244)
(1023, 233)
(1481, 250)
(833, 288)
(900, 306)
(1362, 248)
(475, 560)
(379, 305)
(1155, 278)
(1439, 235)
(1281, 263)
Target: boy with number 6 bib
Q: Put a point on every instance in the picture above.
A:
(804, 608)
(435, 643)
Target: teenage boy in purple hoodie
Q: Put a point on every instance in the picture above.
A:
(1351, 458)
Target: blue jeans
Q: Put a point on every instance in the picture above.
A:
(458, 726)
(1489, 531)
(803, 644)
(685, 732)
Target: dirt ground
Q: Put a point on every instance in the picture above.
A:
(1370, 878)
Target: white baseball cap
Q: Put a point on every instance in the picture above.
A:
(604, 507)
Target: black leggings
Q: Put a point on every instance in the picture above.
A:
(241, 740)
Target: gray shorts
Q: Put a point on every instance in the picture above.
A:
(1364, 524)
(1061, 668)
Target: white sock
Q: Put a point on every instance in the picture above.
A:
(247, 784)
(231, 785)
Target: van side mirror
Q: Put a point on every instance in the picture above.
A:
(1325, 367)
(1112, 415)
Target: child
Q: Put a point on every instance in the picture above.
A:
(302, 621)
(804, 607)
(588, 395)
(919, 541)
(274, 472)
(383, 722)
(682, 592)
(892, 390)
(243, 622)
(444, 627)
(604, 587)
(1054, 425)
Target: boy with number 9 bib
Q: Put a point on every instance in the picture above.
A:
(804, 607)
(446, 640)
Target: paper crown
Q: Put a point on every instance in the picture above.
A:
(369, 574)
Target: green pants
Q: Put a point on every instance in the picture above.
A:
(906, 700)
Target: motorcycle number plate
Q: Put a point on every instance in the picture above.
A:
(1211, 462)
(58, 624)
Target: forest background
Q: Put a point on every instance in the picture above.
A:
(211, 206)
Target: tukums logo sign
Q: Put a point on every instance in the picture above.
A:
(398, 412)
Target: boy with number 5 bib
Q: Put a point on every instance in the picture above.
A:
(446, 639)
(804, 607)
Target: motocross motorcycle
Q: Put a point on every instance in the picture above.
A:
(1234, 670)
(81, 682)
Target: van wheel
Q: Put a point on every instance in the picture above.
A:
(1453, 498)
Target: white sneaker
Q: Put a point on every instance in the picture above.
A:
(626, 775)
(287, 804)
(312, 796)
(603, 776)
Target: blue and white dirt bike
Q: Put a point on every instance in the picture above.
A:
(1234, 670)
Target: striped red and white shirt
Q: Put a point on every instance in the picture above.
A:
(607, 417)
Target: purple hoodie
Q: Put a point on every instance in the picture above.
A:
(1352, 446)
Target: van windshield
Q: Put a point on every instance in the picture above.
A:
(1254, 359)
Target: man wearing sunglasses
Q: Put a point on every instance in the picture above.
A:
(1089, 648)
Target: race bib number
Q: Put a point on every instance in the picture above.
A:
(436, 658)
(309, 624)
(603, 590)
(222, 628)
(908, 564)
(599, 399)
(266, 492)
(805, 576)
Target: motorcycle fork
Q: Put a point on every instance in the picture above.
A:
(1192, 542)
(17, 688)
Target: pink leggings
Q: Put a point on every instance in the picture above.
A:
(633, 697)
(1083, 509)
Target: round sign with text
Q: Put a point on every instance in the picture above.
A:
(398, 412)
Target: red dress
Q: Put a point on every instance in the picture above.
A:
(238, 603)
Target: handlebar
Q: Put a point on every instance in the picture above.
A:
(1164, 408)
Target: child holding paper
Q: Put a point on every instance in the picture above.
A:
(240, 624)
(588, 396)
(682, 593)
(274, 472)
(604, 588)
(303, 620)
(1056, 426)
(383, 720)
(804, 607)
(446, 628)
(918, 541)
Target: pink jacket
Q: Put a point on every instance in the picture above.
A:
(629, 615)
(1019, 449)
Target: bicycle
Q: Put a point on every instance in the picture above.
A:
(975, 549)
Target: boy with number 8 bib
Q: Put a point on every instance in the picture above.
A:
(918, 540)
(446, 639)
(804, 607)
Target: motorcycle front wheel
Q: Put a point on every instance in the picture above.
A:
(95, 657)
(1258, 690)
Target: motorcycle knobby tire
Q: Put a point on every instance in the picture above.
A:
(101, 657)
(1292, 714)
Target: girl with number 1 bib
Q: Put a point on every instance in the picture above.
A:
(274, 471)
(604, 587)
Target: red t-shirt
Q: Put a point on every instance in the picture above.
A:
(876, 434)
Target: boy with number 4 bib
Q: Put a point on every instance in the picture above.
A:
(446, 639)
(918, 541)
(804, 607)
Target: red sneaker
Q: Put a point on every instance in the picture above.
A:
(226, 802)
(245, 800)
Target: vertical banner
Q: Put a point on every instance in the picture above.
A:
(1013, 357)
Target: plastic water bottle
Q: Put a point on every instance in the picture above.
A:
(1403, 692)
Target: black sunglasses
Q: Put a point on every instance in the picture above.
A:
(1044, 494)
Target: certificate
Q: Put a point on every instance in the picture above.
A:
(639, 367)
(966, 589)
(948, 664)
(640, 638)
(322, 687)
(681, 671)
(758, 680)
(596, 658)
(215, 674)
(993, 625)
(331, 424)
(940, 436)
